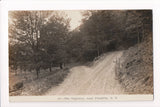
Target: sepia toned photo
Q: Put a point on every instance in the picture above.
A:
(79, 53)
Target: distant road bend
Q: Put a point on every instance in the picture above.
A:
(98, 79)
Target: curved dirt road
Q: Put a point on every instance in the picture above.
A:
(99, 79)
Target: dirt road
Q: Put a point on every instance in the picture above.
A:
(99, 79)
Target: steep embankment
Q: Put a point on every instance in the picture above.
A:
(99, 79)
(135, 71)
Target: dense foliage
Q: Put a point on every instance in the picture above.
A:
(104, 31)
(37, 39)
(42, 39)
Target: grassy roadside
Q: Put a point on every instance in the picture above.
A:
(33, 86)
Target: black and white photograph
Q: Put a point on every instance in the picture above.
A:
(80, 52)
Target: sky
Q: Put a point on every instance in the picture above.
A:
(75, 16)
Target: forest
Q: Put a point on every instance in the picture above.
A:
(40, 41)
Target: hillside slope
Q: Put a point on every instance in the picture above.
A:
(135, 68)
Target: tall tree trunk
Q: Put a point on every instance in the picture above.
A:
(50, 68)
(37, 72)
(98, 52)
(61, 66)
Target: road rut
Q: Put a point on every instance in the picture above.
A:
(99, 79)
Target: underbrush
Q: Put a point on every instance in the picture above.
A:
(33, 86)
(134, 69)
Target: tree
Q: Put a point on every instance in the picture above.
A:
(53, 39)
(27, 30)
(104, 31)
(100, 28)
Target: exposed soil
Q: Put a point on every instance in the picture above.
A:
(99, 79)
